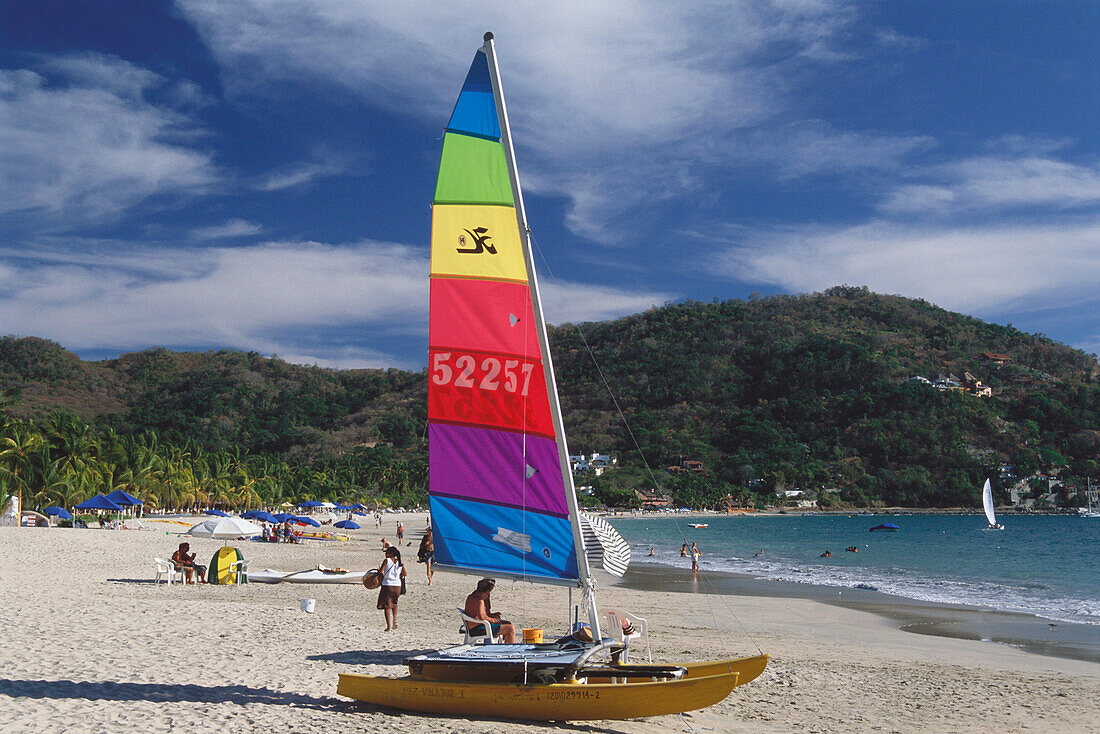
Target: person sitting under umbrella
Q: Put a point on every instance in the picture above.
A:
(186, 561)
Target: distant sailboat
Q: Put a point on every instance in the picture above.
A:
(987, 505)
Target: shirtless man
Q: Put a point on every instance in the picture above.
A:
(478, 606)
(182, 559)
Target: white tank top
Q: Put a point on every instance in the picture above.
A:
(391, 573)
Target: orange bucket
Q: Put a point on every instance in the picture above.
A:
(532, 636)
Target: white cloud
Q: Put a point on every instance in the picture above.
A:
(608, 99)
(986, 271)
(991, 184)
(232, 228)
(114, 296)
(89, 146)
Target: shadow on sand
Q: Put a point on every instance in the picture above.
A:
(161, 692)
(368, 657)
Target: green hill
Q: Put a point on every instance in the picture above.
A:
(806, 391)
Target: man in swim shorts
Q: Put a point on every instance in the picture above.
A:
(478, 606)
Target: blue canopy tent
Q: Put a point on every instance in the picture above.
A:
(212, 511)
(346, 524)
(99, 502)
(60, 512)
(307, 521)
(122, 499)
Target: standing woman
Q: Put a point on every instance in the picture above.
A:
(393, 574)
(426, 554)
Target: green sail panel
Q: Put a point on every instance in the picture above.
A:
(472, 171)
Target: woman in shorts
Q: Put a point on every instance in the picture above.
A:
(393, 575)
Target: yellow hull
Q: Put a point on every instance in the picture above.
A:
(554, 702)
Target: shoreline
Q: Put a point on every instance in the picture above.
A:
(1027, 632)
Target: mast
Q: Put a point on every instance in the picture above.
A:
(584, 573)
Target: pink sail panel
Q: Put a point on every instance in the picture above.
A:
(480, 389)
(497, 467)
(490, 316)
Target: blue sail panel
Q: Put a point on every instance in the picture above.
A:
(502, 540)
(475, 112)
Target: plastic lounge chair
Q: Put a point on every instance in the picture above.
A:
(477, 630)
(167, 570)
(615, 630)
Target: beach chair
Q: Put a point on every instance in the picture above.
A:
(615, 630)
(166, 570)
(239, 569)
(477, 630)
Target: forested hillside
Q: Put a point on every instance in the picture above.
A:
(795, 391)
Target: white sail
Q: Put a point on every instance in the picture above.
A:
(987, 504)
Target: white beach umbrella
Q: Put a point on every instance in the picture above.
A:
(603, 545)
(224, 528)
(328, 505)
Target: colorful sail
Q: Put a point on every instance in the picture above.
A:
(498, 496)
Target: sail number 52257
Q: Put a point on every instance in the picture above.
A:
(486, 373)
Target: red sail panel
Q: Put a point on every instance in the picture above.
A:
(490, 316)
(488, 390)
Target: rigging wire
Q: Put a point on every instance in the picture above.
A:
(637, 447)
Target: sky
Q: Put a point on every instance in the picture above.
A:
(258, 175)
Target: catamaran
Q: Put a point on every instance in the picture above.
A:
(500, 486)
(987, 505)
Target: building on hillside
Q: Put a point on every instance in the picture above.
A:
(694, 466)
(974, 385)
(921, 380)
(994, 358)
(653, 500)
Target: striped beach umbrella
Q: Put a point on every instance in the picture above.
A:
(603, 545)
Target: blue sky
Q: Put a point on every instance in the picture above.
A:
(257, 175)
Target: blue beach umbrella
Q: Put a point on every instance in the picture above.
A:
(260, 515)
(283, 517)
(342, 508)
(307, 521)
(99, 502)
(61, 512)
(212, 511)
(346, 524)
(311, 503)
(359, 506)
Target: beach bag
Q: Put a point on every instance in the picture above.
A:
(372, 579)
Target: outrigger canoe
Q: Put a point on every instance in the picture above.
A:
(592, 695)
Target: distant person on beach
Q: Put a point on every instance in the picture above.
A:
(694, 559)
(684, 550)
(385, 544)
(759, 553)
(826, 554)
(393, 573)
(479, 606)
(650, 550)
(400, 532)
(186, 561)
(426, 553)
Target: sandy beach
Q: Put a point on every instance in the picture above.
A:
(91, 645)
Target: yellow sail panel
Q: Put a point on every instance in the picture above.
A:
(477, 242)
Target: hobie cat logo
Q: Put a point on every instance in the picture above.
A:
(481, 242)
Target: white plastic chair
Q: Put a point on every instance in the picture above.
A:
(238, 568)
(477, 630)
(166, 570)
(615, 630)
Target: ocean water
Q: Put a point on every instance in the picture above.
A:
(1043, 565)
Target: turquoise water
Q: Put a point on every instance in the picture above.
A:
(1043, 565)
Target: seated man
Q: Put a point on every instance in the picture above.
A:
(478, 606)
(182, 559)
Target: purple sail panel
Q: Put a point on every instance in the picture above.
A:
(497, 467)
